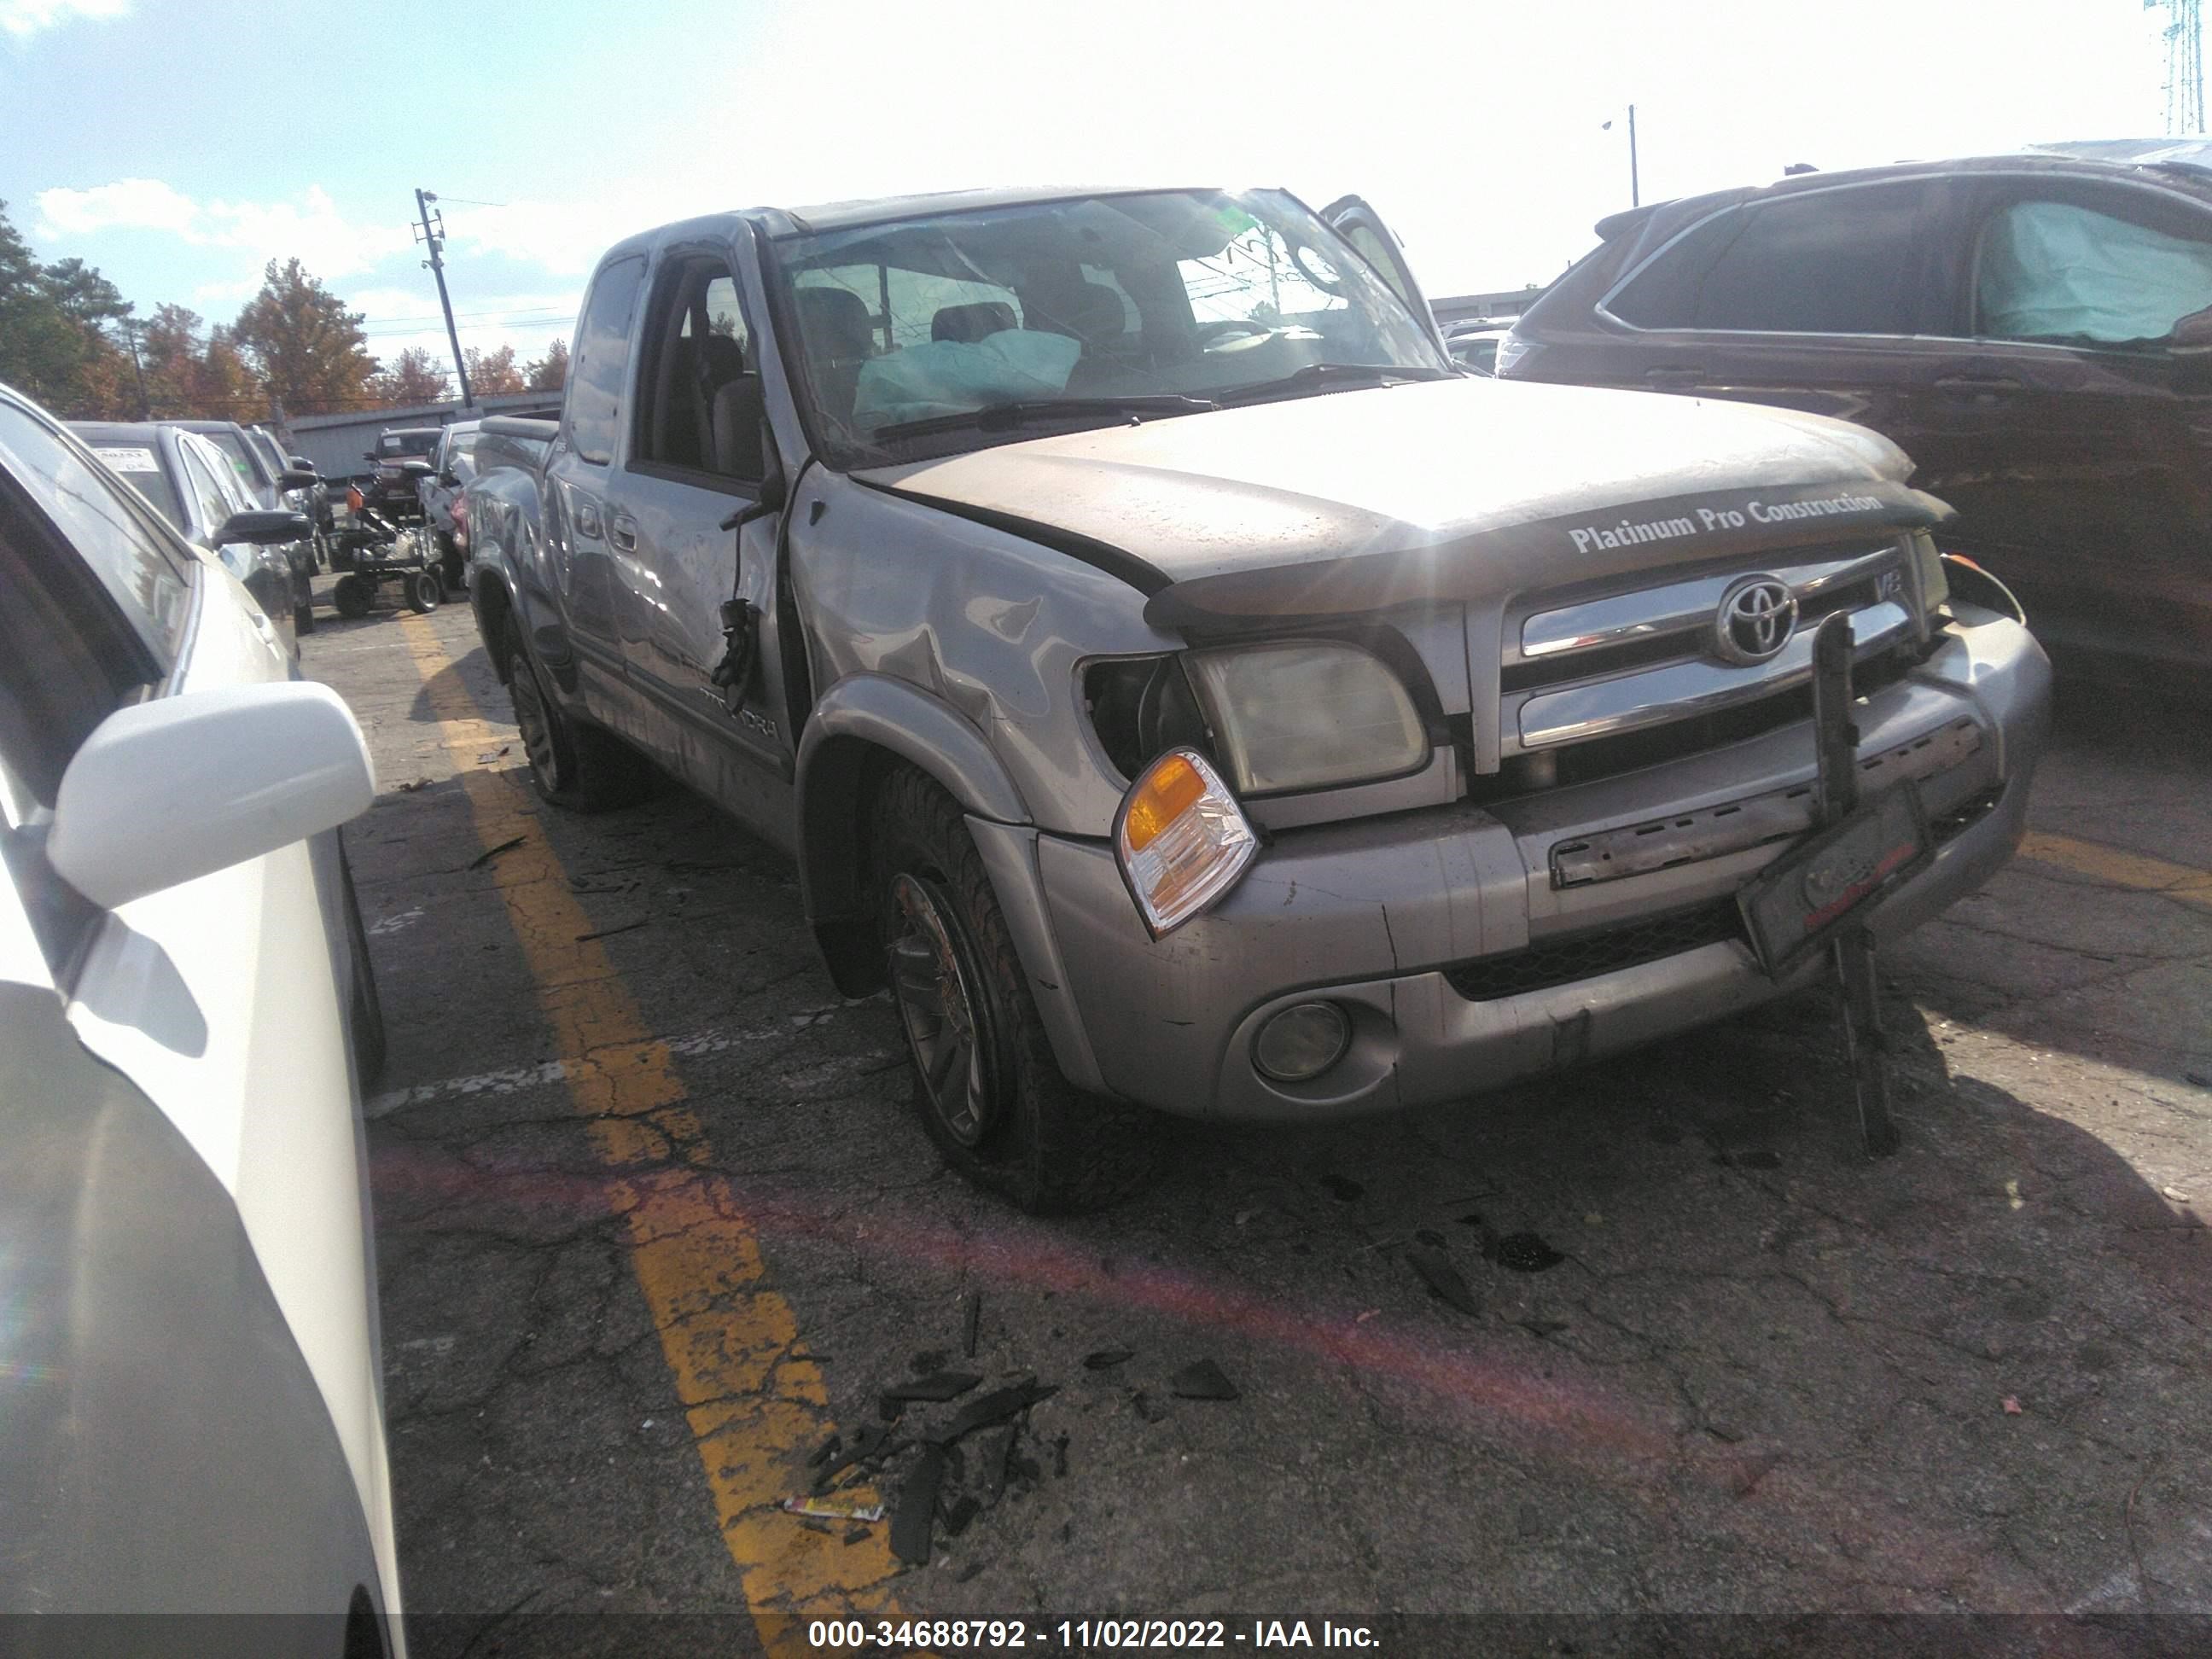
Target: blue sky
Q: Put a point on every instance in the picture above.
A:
(179, 145)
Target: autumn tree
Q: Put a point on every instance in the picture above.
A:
(548, 373)
(492, 374)
(416, 377)
(307, 347)
(194, 373)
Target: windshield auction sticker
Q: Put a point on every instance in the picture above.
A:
(128, 460)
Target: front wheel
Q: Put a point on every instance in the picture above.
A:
(987, 1088)
(572, 765)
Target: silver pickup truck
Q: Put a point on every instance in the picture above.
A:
(1184, 688)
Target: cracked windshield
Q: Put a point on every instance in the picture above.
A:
(1097, 309)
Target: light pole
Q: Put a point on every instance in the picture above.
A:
(1635, 192)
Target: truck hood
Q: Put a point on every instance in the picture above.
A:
(1449, 490)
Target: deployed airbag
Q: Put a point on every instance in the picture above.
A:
(949, 377)
(2050, 270)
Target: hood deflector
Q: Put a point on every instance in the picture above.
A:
(1550, 552)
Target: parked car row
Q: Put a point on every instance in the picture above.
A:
(187, 1010)
(1185, 689)
(194, 486)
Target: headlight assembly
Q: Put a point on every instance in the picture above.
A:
(1307, 714)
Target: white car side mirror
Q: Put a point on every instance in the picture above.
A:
(166, 792)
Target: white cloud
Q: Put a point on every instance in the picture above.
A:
(24, 18)
(311, 229)
(128, 203)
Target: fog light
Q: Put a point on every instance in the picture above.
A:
(1304, 1040)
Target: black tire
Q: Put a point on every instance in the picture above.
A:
(426, 589)
(353, 595)
(303, 617)
(364, 1017)
(453, 565)
(573, 765)
(987, 1088)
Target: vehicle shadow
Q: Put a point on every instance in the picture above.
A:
(2097, 941)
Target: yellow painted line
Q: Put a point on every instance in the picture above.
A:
(755, 1410)
(2119, 867)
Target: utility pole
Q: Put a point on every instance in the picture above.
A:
(1635, 190)
(436, 239)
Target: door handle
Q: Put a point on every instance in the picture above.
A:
(588, 519)
(622, 532)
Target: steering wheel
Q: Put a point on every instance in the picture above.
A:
(1233, 334)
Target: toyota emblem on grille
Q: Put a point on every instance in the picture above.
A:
(1756, 618)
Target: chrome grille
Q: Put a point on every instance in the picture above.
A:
(1581, 666)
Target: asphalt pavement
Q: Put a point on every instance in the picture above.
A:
(655, 1223)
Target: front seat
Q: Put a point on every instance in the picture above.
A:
(720, 360)
(833, 323)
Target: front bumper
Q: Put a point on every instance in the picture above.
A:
(1423, 926)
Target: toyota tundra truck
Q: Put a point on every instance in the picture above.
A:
(1187, 692)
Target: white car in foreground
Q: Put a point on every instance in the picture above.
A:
(188, 1366)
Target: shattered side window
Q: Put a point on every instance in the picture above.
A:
(2058, 271)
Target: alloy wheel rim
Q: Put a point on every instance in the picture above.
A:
(930, 982)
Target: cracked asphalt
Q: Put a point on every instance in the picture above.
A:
(1759, 1374)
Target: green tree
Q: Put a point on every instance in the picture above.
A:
(548, 373)
(54, 344)
(307, 349)
(416, 377)
(492, 374)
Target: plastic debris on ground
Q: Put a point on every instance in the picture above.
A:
(1443, 1281)
(1202, 1380)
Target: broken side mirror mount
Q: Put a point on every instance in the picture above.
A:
(740, 617)
(772, 491)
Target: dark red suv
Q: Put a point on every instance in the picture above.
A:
(2031, 329)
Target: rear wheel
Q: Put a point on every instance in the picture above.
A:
(353, 595)
(450, 564)
(572, 764)
(987, 1088)
(426, 589)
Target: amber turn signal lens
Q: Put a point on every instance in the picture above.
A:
(1163, 794)
(1181, 839)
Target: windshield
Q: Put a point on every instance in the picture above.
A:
(408, 443)
(1189, 293)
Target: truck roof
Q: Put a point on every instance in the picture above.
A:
(863, 210)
